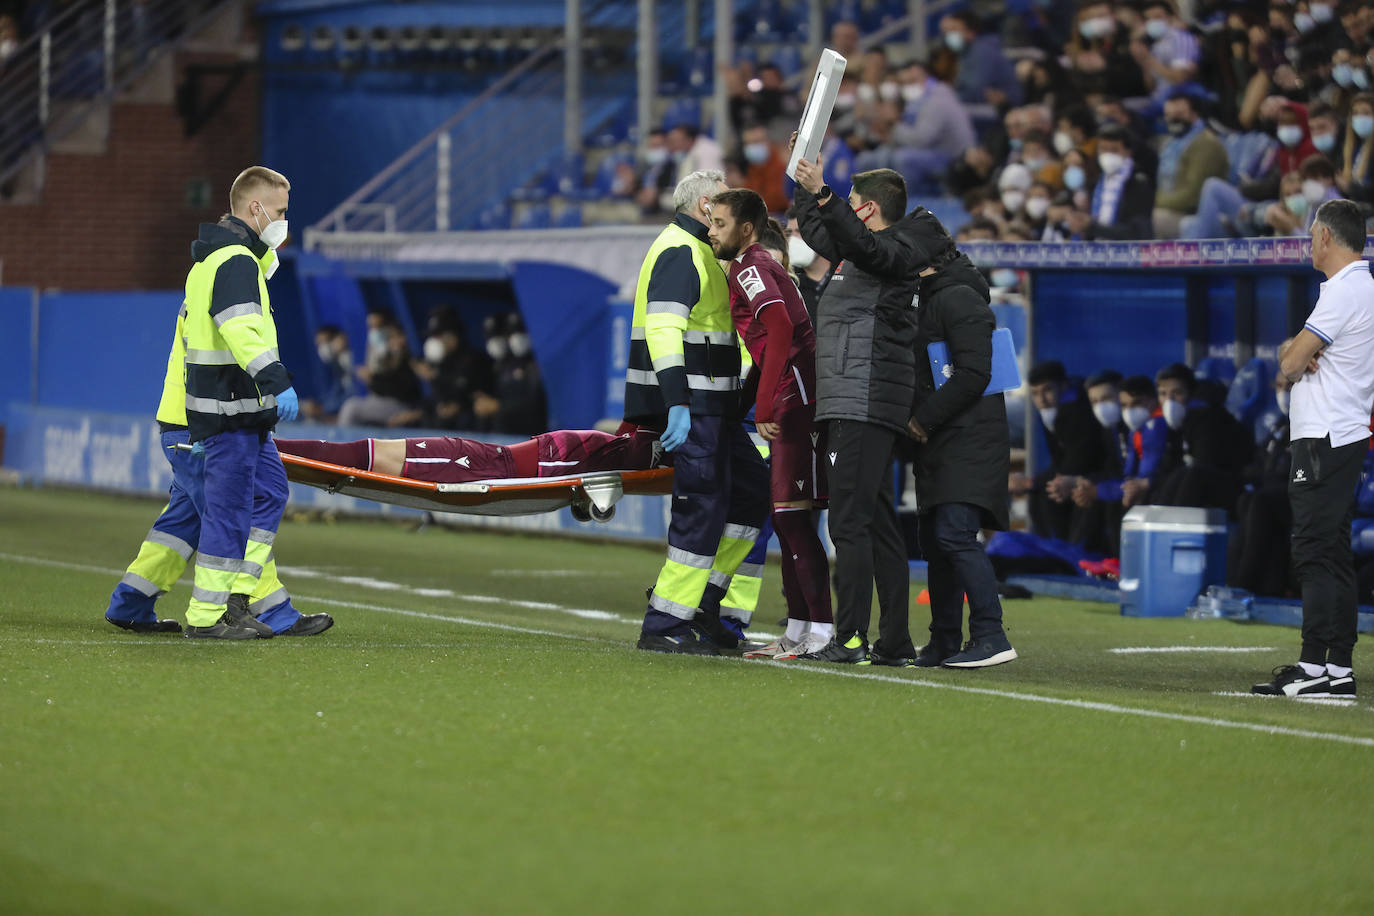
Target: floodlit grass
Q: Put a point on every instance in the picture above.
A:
(504, 749)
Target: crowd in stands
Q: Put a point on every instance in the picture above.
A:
(1076, 119)
(451, 385)
(1174, 440)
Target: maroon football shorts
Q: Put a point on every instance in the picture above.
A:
(795, 458)
(450, 459)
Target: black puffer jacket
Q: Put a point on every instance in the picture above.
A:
(865, 325)
(967, 459)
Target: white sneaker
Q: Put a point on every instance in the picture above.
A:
(811, 642)
(780, 645)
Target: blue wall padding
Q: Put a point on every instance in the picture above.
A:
(16, 356)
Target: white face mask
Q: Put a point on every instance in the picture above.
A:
(757, 153)
(496, 347)
(1135, 417)
(274, 233)
(1062, 142)
(1037, 207)
(1156, 28)
(655, 155)
(434, 350)
(1013, 200)
(912, 92)
(519, 344)
(8, 47)
(376, 339)
(1003, 278)
(1173, 413)
(799, 252)
(325, 352)
(1313, 190)
(1110, 163)
(889, 91)
(1047, 415)
(1108, 413)
(1285, 400)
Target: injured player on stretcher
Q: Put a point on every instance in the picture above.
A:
(452, 459)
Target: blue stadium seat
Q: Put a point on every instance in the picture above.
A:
(1252, 392)
(497, 217)
(571, 217)
(699, 75)
(1217, 368)
(1265, 423)
(605, 172)
(788, 59)
(565, 176)
(535, 216)
(682, 111)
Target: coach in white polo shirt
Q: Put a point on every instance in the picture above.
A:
(1330, 367)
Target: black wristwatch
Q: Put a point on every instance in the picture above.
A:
(824, 194)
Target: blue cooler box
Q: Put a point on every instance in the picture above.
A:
(1168, 555)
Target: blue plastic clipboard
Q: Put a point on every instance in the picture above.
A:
(1006, 374)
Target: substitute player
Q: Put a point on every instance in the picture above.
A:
(771, 319)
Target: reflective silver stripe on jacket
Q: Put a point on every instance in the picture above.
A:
(230, 408)
(721, 338)
(237, 311)
(210, 357)
(719, 383)
(666, 307)
(261, 362)
(669, 361)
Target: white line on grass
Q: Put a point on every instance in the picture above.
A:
(835, 672)
(1141, 650)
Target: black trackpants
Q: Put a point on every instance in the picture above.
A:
(868, 539)
(1321, 489)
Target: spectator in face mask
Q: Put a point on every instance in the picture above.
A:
(1122, 198)
(1037, 155)
(1099, 54)
(331, 345)
(986, 75)
(517, 404)
(767, 169)
(1012, 186)
(657, 171)
(1164, 48)
(1076, 448)
(811, 270)
(934, 129)
(455, 371)
(1302, 193)
(1142, 437)
(1039, 199)
(393, 394)
(1323, 127)
(1190, 156)
(1357, 150)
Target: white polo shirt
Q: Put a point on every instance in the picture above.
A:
(1336, 400)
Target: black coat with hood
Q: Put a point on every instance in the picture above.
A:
(865, 324)
(967, 458)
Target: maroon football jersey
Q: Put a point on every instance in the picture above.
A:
(757, 281)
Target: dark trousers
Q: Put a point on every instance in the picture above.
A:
(868, 539)
(1321, 490)
(1257, 556)
(958, 567)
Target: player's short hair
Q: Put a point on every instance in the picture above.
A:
(1139, 386)
(886, 188)
(1346, 223)
(1048, 371)
(1178, 372)
(251, 182)
(746, 206)
(699, 184)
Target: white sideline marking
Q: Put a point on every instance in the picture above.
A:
(1321, 701)
(522, 573)
(1140, 650)
(820, 669)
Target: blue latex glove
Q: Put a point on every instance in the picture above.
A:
(288, 406)
(679, 425)
(198, 449)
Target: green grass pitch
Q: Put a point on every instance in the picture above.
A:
(477, 735)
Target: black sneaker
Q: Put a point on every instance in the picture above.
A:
(679, 641)
(851, 652)
(904, 660)
(933, 654)
(223, 629)
(1343, 687)
(236, 614)
(309, 625)
(147, 626)
(1292, 681)
(983, 653)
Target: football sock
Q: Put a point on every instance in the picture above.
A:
(526, 457)
(356, 454)
(1312, 670)
(796, 629)
(1338, 670)
(805, 571)
(824, 630)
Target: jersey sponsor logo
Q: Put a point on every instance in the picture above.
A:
(464, 461)
(751, 282)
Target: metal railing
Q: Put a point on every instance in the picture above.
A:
(88, 51)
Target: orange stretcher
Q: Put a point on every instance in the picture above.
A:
(591, 497)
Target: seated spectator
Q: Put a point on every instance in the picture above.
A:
(1257, 555)
(1076, 449)
(693, 150)
(456, 372)
(1012, 186)
(935, 128)
(986, 76)
(331, 345)
(1165, 50)
(517, 404)
(1037, 156)
(1191, 156)
(657, 174)
(1110, 110)
(1039, 199)
(1322, 128)
(766, 168)
(1142, 437)
(1123, 196)
(1074, 129)
(1357, 151)
(1099, 54)
(393, 390)
(1208, 448)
